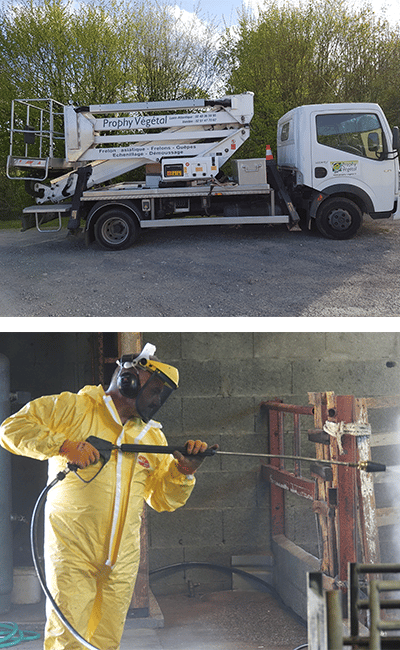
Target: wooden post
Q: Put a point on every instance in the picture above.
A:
(347, 490)
(131, 342)
(366, 494)
(328, 560)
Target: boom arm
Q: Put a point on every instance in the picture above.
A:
(125, 124)
(116, 138)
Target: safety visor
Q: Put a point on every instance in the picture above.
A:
(153, 394)
(151, 365)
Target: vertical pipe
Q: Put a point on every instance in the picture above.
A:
(353, 599)
(12, 128)
(6, 561)
(27, 122)
(374, 605)
(334, 620)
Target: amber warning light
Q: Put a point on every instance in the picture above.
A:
(173, 170)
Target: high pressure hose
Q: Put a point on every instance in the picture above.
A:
(36, 561)
(184, 565)
(240, 572)
(218, 567)
(10, 635)
(230, 569)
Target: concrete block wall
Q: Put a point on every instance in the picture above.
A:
(224, 377)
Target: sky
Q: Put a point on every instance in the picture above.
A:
(226, 10)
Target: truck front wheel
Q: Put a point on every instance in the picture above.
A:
(338, 218)
(116, 229)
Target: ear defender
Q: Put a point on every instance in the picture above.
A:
(127, 382)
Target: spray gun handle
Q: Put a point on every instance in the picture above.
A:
(163, 449)
(104, 447)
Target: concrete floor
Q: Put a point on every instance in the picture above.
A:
(227, 620)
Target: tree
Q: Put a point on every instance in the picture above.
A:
(174, 56)
(107, 51)
(317, 52)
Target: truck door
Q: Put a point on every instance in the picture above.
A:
(351, 148)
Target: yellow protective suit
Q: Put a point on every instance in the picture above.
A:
(92, 530)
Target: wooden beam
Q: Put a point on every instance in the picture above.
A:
(131, 342)
(327, 525)
(347, 493)
(303, 487)
(366, 493)
(382, 402)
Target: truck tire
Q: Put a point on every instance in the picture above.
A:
(338, 218)
(116, 229)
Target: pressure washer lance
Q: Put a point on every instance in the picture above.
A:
(104, 447)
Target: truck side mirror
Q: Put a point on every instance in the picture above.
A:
(373, 141)
(396, 138)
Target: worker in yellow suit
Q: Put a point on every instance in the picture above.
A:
(92, 528)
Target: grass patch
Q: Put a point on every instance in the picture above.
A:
(16, 224)
(6, 224)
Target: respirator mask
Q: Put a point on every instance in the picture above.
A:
(151, 396)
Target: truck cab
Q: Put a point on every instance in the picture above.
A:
(341, 161)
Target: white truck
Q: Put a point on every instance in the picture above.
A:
(335, 162)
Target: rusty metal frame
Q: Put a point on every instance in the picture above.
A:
(341, 497)
(275, 471)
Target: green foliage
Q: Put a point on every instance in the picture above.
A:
(107, 51)
(171, 60)
(319, 51)
(292, 53)
(103, 52)
(12, 198)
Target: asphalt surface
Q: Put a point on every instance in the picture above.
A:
(256, 271)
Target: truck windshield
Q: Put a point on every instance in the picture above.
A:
(359, 134)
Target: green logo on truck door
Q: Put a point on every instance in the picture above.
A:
(344, 167)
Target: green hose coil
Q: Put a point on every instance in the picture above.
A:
(10, 635)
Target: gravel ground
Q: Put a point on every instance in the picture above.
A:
(203, 271)
(231, 620)
(226, 620)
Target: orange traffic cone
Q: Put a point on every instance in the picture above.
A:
(268, 153)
